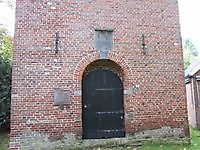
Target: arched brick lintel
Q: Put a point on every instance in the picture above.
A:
(85, 61)
(128, 81)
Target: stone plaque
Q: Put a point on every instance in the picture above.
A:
(78, 93)
(103, 42)
(128, 91)
(61, 97)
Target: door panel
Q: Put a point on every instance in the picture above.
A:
(103, 112)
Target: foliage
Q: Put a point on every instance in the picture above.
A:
(5, 76)
(6, 45)
(190, 53)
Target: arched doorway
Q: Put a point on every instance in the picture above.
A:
(103, 108)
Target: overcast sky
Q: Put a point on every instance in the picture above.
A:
(189, 19)
(7, 16)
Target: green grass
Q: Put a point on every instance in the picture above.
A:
(195, 144)
(4, 141)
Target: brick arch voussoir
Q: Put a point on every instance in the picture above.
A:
(123, 63)
(85, 61)
(82, 64)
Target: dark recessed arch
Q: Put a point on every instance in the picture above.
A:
(105, 64)
(102, 100)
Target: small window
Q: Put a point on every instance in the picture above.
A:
(103, 42)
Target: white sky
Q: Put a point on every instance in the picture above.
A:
(7, 17)
(189, 19)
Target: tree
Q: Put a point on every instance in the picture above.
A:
(6, 46)
(190, 53)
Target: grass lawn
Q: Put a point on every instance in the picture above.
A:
(195, 144)
(4, 141)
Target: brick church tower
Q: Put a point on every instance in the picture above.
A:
(96, 69)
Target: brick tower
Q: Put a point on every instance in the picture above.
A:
(96, 69)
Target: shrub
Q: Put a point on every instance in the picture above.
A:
(5, 76)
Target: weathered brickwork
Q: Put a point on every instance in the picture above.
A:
(154, 93)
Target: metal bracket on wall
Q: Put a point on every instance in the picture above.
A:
(57, 42)
(144, 46)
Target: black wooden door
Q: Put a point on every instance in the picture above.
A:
(103, 112)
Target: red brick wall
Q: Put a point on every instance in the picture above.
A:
(158, 102)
